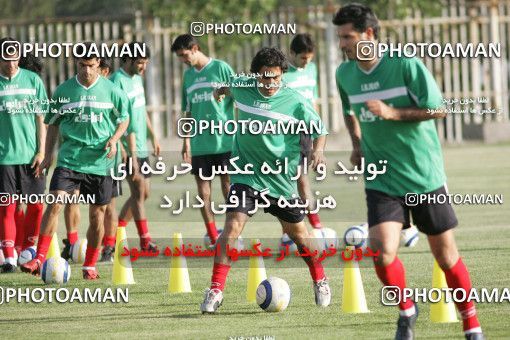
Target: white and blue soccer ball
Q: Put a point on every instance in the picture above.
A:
(326, 238)
(239, 244)
(27, 255)
(79, 250)
(287, 241)
(273, 294)
(409, 237)
(357, 236)
(55, 270)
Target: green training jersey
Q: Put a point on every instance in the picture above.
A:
(133, 87)
(197, 99)
(303, 80)
(412, 149)
(21, 98)
(87, 118)
(286, 105)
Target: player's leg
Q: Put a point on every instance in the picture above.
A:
(225, 185)
(305, 192)
(8, 235)
(94, 237)
(19, 218)
(204, 192)
(33, 217)
(111, 220)
(299, 234)
(72, 221)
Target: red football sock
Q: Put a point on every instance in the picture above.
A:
(315, 221)
(109, 241)
(394, 274)
(19, 217)
(8, 229)
(43, 245)
(219, 276)
(32, 224)
(316, 269)
(72, 237)
(458, 277)
(143, 232)
(91, 256)
(212, 232)
(122, 223)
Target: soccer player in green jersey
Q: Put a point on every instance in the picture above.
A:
(90, 114)
(129, 79)
(302, 77)
(385, 102)
(206, 150)
(263, 99)
(72, 211)
(23, 104)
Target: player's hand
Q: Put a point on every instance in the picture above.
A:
(219, 94)
(112, 145)
(379, 108)
(43, 166)
(38, 158)
(356, 156)
(123, 155)
(135, 170)
(317, 158)
(156, 147)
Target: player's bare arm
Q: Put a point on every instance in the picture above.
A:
(131, 139)
(51, 139)
(318, 151)
(154, 140)
(112, 142)
(41, 140)
(352, 124)
(379, 108)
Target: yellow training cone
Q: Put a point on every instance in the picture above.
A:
(122, 273)
(442, 311)
(179, 277)
(256, 274)
(54, 250)
(353, 294)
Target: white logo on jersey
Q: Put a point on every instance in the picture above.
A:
(91, 117)
(205, 96)
(261, 105)
(370, 86)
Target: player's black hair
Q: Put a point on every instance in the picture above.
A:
(270, 57)
(8, 42)
(184, 42)
(302, 43)
(360, 16)
(30, 62)
(134, 46)
(106, 62)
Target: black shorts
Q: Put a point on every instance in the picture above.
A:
(206, 163)
(431, 219)
(141, 162)
(306, 143)
(20, 179)
(100, 187)
(291, 215)
(116, 188)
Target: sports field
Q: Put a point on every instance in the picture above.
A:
(483, 238)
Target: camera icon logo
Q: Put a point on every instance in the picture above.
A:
(5, 199)
(411, 199)
(365, 50)
(186, 127)
(10, 50)
(197, 29)
(390, 295)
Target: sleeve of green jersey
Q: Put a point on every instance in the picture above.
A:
(421, 84)
(308, 114)
(43, 108)
(226, 73)
(54, 116)
(120, 103)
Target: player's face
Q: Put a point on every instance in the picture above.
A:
(139, 66)
(88, 70)
(349, 39)
(186, 56)
(303, 59)
(8, 68)
(270, 81)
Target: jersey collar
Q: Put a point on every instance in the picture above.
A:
(14, 76)
(209, 62)
(299, 69)
(373, 67)
(91, 86)
(127, 74)
(278, 91)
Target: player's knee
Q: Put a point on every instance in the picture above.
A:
(447, 259)
(385, 258)
(53, 209)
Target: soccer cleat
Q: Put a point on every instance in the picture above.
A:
(212, 301)
(33, 267)
(66, 252)
(149, 246)
(322, 292)
(8, 268)
(475, 336)
(405, 326)
(107, 254)
(90, 274)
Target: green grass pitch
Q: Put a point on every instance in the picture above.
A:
(483, 237)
